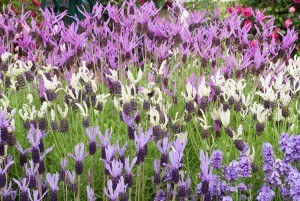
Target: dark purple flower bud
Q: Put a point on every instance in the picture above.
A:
(205, 187)
(64, 126)
(239, 144)
(260, 127)
(35, 154)
(53, 195)
(54, 125)
(32, 182)
(79, 167)
(42, 124)
(85, 122)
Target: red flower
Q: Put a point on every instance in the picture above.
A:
(249, 24)
(231, 9)
(142, 2)
(239, 8)
(36, 3)
(288, 22)
(275, 36)
(24, 1)
(247, 12)
(33, 14)
(253, 43)
(168, 4)
(296, 1)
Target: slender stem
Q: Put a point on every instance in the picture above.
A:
(39, 185)
(174, 192)
(130, 190)
(143, 181)
(78, 189)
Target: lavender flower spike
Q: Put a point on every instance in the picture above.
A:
(3, 172)
(141, 142)
(23, 153)
(8, 193)
(128, 168)
(90, 193)
(92, 133)
(24, 190)
(36, 196)
(52, 180)
(79, 156)
(111, 193)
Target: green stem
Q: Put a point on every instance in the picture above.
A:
(174, 192)
(78, 187)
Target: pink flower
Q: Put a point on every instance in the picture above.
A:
(275, 36)
(253, 43)
(247, 12)
(231, 9)
(239, 8)
(249, 24)
(288, 22)
(296, 1)
(292, 9)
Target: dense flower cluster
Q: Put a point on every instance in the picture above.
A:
(174, 86)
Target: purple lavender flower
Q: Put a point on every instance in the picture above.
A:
(121, 151)
(128, 168)
(52, 180)
(72, 177)
(156, 178)
(227, 198)
(35, 142)
(111, 193)
(244, 167)
(216, 159)
(164, 146)
(141, 142)
(268, 155)
(174, 166)
(206, 172)
(265, 194)
(3, 172)
(294, 182)
(115, 170)
(23, 153)
(242, 187)
(7, 193)
(90, 193)
(79, 157)
(122, 189)
(63, 164)
(159, 195)
(36, 196)
(274, 178)
(104, 142)
(24, 190)
(283, 141)
(232, 171)
(92, 132)
(5, 123)
(41, 162)
(31, 171)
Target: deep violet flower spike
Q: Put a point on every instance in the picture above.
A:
(92, 132)
(23, 158)
(8, 194)
(79, 157)
(3, 171)
(63, 164)
(23, 186)
(52, 180)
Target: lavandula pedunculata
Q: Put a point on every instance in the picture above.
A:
(90, 194)
(23, 158)
(79, 157)
(63, 174)
(52, 180)
(92, 132)
(121, 151)
(31, 172)
(41, 168)
(8, 194)
(23, 186)
(71, 177)
(3, 172)
(128, 168)
(104, 142)
(115, 170)
(141, 142)
(164, 147)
